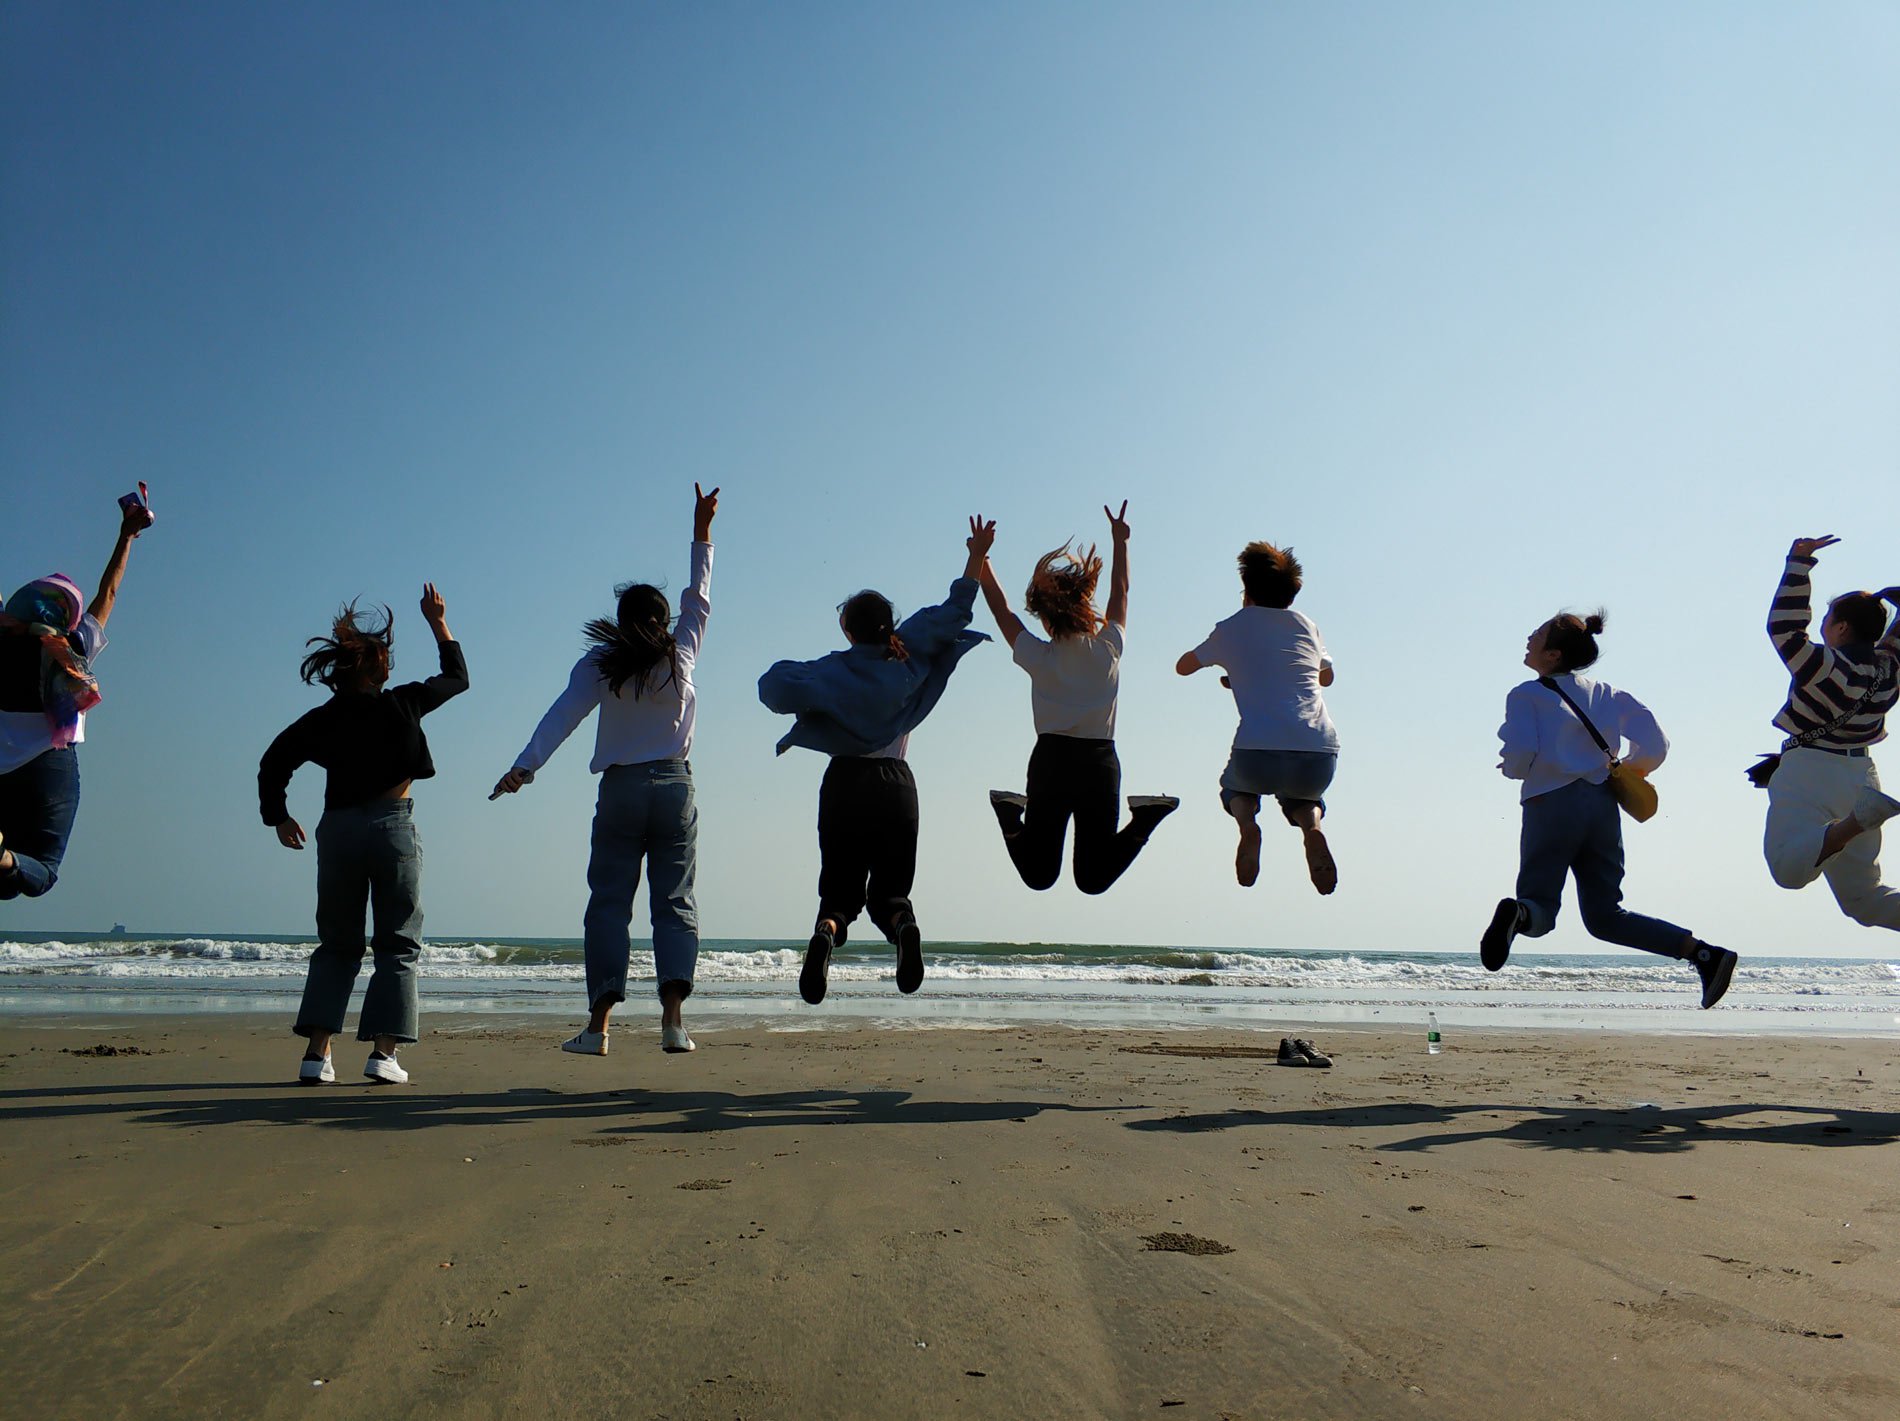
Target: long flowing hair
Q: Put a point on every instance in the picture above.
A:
(356, 651)
(632, 643)
(1062, 591)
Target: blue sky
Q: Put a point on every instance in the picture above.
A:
(1486, 309)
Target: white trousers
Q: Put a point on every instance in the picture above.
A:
(1811, 790)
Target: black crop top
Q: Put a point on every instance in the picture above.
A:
(370, 742)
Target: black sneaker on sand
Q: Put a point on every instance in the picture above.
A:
(1494, 948)
(1715, 966)
(1314, 1056)
(813, 978)
(910, 957)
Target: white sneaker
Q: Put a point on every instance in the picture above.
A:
(316, 1072)
(1872, 808)
(586, 1043)
(674, 1038)
(385, 1069)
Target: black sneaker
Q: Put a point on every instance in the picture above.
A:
(812, 978)
(910, 957)
(1009, 809)
(1148, 810)
(1715, 966)
(1494, 948)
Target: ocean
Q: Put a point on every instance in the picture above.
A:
(986, 984)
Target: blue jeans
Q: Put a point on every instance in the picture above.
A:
(644, 811)
(38, 803)
(368, 857)
(1576, 830)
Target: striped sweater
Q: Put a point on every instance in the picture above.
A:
(1826, 680)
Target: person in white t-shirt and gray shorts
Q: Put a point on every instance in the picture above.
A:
(1276, 665)
(1074, 680)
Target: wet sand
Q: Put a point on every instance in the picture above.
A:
(1020, 1223)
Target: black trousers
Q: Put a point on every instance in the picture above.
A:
(867, 843)
(1070, 778)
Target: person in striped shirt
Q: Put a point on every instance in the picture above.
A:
(1825, 807)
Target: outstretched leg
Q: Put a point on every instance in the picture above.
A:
(1246, 811)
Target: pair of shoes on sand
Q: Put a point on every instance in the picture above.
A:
(1297, 1051)
(673, 1040)
(1714, 965)
(318, 1070)
(814, 978)
(1319, 859)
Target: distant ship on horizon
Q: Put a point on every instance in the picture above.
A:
(118, 930)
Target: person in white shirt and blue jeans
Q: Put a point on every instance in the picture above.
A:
(639, 674)
(1571, 822)
(1285, 746)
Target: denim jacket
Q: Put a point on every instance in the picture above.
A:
(859, 700)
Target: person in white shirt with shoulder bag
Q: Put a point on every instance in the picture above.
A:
(639, 673)
(1562, 737)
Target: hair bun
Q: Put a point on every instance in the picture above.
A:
(1593, 624)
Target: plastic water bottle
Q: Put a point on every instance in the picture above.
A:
(1433, 1044)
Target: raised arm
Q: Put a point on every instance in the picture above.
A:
(134, 520)
(1118, 569)
(1007, 622)
(452, 680)
(696, 600)
(1788, 618)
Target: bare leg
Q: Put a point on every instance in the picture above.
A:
(1246, 811)
(597, 1016)
(1319, 858)
(387, 1045)
(319, 1044)
(671, 997)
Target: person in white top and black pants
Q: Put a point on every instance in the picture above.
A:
(1571, 823)
(1074, 679)
(640, 676)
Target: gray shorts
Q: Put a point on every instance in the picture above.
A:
(1294, 777)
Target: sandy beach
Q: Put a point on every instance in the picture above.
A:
(948, 1223)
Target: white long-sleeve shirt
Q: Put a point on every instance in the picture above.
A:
(655, 725)
(1546, 746)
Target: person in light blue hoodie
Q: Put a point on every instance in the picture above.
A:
(859, 706)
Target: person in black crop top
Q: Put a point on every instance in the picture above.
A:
(369, 739)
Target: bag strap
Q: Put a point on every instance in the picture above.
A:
(1595, 734)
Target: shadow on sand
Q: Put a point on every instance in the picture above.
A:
(1636, 1129)
(630, 1111)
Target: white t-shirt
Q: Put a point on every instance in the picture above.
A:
(1073, 681)
(655, 725)
(1273, 657)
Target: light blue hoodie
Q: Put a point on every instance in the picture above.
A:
(857, 701)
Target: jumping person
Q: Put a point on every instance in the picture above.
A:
(1285, 746)
(370, 742)
(49, 636)
(1074, 679)
(1571, 823)
(859, 706)
(640, 675)
(1825, 807)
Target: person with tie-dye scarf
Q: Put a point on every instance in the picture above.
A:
(49, 636)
